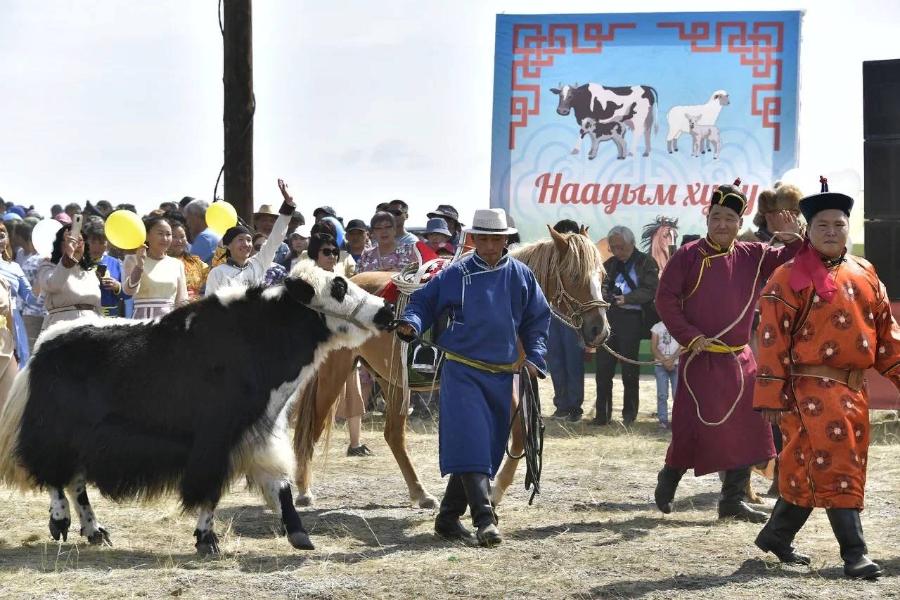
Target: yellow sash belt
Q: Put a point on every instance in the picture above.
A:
(480, 364)
(723, 349)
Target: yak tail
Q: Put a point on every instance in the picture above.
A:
(655, 112)
(307, 428)
(12, 473)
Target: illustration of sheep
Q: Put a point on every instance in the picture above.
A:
(708, 114)
(705, 137)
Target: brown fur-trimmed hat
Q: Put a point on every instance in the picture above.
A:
(784, 197)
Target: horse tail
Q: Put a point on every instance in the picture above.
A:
(306, 424)
(12, 472)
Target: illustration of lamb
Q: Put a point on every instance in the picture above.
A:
(704, 137)
(708, 114)
(601, 132)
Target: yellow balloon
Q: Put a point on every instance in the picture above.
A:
(125, 230)
(220, 216)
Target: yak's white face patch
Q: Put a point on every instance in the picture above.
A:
(362, 305)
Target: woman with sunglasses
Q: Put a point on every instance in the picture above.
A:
(324, 252)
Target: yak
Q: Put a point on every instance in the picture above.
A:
(187, 402)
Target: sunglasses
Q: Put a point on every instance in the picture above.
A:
(330, 252)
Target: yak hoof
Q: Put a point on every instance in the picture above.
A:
(207, 543)
(99, 537)
(60, 528)
(646, 154)
(620, 157)
(304, 500)
(300, 540)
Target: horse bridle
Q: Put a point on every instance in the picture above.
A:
(574, 307)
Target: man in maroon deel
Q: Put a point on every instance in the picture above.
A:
(703, 289)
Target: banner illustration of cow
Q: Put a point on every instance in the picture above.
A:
(622, 118)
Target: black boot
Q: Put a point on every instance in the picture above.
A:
(666, 484)
(478, 491)
(453, 505)
(779, 532)
(732, 505)
(848, 530)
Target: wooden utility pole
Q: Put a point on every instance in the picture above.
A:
(239, 105)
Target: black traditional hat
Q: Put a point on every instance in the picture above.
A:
(730, 196)
(825, 200)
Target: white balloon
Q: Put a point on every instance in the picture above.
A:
(43, 235)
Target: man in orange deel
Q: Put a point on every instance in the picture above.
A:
(825, 318)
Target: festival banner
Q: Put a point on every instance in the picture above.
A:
(633, 119)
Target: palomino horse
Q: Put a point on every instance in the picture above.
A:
(569, 269)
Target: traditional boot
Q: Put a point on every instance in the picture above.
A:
(732, 505)
(778, 534)
(666, 484)
(848, 530)
(478, 491)
(453, 505)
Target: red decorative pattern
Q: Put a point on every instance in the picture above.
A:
(757, 44)
(533, 50)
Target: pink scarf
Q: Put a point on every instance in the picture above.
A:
(809, 269)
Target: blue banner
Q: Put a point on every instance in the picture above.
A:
(633, 119)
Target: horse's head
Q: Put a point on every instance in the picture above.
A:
(569, 270)
(580, 276)
(349, 311)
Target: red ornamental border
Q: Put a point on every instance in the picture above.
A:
(756, 49)
(533, 50)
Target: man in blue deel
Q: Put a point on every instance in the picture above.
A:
(493, 301)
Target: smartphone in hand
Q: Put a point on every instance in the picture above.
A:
(101, 271)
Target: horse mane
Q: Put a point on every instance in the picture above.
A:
(578, 265)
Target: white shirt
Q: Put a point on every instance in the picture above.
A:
(667, 345)
(254, 272)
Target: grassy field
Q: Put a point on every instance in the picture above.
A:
(593, 533)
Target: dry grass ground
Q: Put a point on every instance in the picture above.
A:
(592, 533)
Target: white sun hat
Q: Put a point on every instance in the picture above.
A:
(490, 221)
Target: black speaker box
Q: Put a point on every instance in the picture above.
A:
(882, 178)
(881, 99)
(883, 251)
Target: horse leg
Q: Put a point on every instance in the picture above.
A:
(60, 518)
(207, 540)
(517, 445)
(395, 436)
(312, 416)
(94, 532)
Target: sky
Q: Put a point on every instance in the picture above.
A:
(358, 102)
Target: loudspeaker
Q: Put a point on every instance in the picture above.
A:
(881, 159)
(881, 89)
(883, 251)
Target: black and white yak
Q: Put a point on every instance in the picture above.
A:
(187, 402)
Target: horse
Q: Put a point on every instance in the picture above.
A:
(569, 270)
(185, 403)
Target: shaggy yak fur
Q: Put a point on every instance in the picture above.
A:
(186, 402)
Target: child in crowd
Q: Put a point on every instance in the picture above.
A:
(438, 236)
(665, 350)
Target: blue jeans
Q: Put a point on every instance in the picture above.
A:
(663, 380)
(565, 360)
